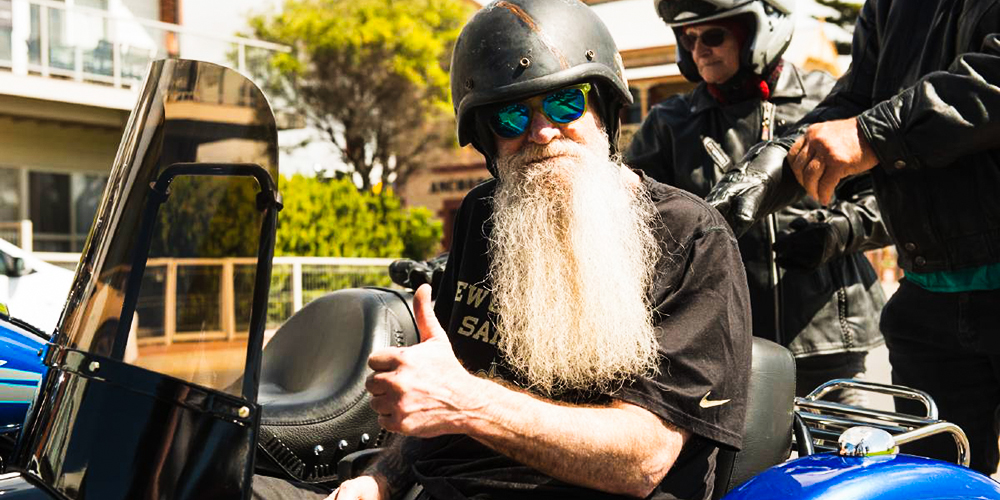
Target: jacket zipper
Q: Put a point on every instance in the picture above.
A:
(767, 109)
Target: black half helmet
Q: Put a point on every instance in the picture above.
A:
(514, 49)
(770, 26)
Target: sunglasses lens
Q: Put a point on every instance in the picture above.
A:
(688, 41)
(713, 37)
(511, 120)
(565, 105)
(710, 38)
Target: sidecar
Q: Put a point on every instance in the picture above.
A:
(21, 349)
(196, 415)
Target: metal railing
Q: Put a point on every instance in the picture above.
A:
(825, 421)
(87, 44)
(203, 299)
(17, 233)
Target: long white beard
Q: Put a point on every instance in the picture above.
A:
(573, 255)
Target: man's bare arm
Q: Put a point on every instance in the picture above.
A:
(621, 448)
(424, 391)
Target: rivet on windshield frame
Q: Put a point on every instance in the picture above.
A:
(342, 444)
(590, 55)
(318, 449)
(365, 438)
(525, 62)
(94, 366)
(243, 412)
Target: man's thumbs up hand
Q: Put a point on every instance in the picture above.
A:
(422, 390)
(427, 323)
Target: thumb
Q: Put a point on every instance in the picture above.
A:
(427, 322)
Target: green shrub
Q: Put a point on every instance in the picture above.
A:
(332, 218)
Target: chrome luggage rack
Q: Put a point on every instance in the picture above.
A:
(819, 424)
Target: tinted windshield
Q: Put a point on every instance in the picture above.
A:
(190, 249)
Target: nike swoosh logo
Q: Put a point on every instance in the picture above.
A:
(706, 403)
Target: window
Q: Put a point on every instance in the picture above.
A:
(6, 25)
(49, 210)
(74, 37)
(10, 194)
(87, 190)
(62, 208)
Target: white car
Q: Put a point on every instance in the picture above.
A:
(34, 290)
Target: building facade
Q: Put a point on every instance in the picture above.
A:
(68, 76)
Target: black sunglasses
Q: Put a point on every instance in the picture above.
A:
(712, 37)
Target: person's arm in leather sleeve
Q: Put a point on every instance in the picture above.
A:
(944, 116)
(763, 181)
(852, 223)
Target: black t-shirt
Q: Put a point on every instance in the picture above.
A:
(702, 311)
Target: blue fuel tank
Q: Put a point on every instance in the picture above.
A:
(827, 476)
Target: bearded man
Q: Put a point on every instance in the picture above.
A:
(591, 335)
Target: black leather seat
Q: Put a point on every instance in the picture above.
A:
(767, 432)
(315, 407)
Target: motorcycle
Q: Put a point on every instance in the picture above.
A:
(196, 415)
(20, 372)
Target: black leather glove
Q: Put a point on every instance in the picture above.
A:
(411, 274)
(812, 240)
(759, 185)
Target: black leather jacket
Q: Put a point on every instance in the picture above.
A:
(925, 79)
(690, 140)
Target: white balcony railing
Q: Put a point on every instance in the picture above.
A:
(52, 39)
(18, 233)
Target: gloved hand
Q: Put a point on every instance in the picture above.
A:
(411, 273)
(812, 240)
(760, 184)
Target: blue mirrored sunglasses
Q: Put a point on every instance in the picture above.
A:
(565, 105)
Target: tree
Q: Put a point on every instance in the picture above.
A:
(208, 217)
(370, 75)
(331, 218)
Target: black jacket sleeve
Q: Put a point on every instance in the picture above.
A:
(944, 116)
(855, 200)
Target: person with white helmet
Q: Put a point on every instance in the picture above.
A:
(811, 287)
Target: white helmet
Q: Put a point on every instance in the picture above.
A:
(768, 37)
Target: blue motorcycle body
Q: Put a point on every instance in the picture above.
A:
(21, 369)
(826, 476)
